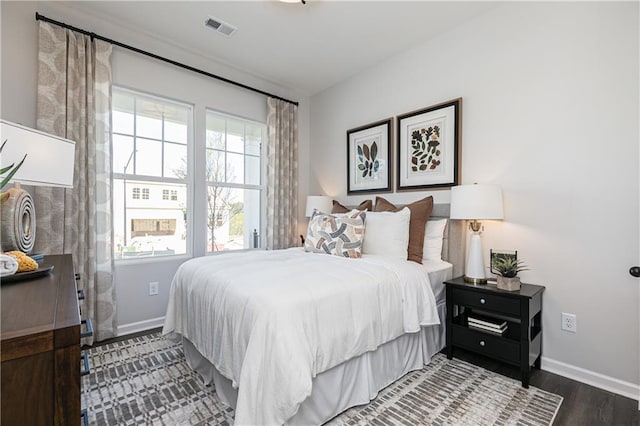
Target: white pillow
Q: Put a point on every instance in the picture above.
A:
(433, 238)
(387, 233)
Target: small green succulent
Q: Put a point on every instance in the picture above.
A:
(12, 169)
(508, 267)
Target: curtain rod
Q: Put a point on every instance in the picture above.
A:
(40, 17)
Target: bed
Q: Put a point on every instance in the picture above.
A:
(320, 338)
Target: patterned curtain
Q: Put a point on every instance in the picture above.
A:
(74, 101)
(282, 174)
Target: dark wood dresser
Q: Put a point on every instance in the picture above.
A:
(40, 348)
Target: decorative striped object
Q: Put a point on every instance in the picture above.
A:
(146, 381)
(337, 234)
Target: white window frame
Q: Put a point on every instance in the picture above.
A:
(263, 179)
(188, 182)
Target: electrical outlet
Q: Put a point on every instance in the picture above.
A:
(569, 322)
(154, 288)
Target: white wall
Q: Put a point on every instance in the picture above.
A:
(550, 112)
(19, 69)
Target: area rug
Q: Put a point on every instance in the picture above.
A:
(146, 381)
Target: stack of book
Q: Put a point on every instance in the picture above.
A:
(485, 323)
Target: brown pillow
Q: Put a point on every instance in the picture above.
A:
(420, 212)
(339, 208)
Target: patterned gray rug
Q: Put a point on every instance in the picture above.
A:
(146, 381)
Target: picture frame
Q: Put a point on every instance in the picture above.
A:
(428, 153)
(495, 255)
(368, 158)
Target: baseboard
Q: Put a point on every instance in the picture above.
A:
(592, 378)
(135, 327)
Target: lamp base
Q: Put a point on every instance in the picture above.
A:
(474, 270)
(477, 281)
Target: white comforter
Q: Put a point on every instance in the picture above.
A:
(270, 321)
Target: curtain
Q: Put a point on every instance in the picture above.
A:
(282, 174)
(74, 101)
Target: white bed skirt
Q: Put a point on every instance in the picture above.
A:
(354, 382)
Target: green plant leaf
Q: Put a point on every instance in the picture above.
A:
(374, 150)
(7, 178)
(360, 166)
(6, 169)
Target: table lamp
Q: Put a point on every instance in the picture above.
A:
(321, 203)
(49, 162)
(474, 202)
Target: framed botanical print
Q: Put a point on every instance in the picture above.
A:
(429, 147)
(368, 163)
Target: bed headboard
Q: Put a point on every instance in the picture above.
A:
(454, 244)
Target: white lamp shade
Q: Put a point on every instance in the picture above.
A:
(318, 202)
(476, 202)
(49, 159)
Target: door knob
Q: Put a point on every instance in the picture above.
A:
(635, 271)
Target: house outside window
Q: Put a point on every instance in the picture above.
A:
(235, 182)
(150, 140)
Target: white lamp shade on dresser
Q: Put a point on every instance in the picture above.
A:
(49, 159)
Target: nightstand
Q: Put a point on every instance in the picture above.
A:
(520, 344)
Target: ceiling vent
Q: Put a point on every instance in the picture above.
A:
(220, 26)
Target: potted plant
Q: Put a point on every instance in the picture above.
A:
(507, 269)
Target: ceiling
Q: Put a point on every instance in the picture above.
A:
(306, 48)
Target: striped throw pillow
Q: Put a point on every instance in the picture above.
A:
(339, 235)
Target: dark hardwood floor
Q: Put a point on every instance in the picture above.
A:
(583, 405)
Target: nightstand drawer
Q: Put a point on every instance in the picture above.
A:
(495, 303)
(486, 344)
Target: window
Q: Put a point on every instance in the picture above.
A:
(234, 182)
(150, 137)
